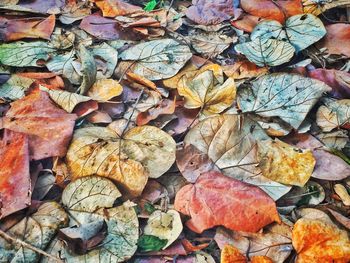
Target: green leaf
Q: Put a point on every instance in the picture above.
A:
(15, 87)
(149, 208)
(300, 31)
(25, 54)
(270, 52)
(287, 96)
(150, 5)
(157, 59)
(149, 243)
(89, 69)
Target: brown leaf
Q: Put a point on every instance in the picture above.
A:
(219, 200)
(246, 22)
(49, 128)
(337, 33)
(210, 12)
(14, 173)
(278, 10)
(165, 107)
(18, 28)
(244, 69)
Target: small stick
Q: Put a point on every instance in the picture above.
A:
(26, 245)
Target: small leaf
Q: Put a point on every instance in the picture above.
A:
(150, 5)
(105, 89)
(266, 52)
(149, 243)
(157, 59)
(287, 96)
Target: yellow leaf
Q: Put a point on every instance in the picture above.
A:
(230, 254)
(284, 163)
(105, 89)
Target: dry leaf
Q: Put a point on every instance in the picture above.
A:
(105, 89)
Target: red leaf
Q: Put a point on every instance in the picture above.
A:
(219, 200)
(14, 173)
(336, 34)
(48, 127)
(276, 10)
(18, 28)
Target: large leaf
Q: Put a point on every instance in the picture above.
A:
(15, 87)
(275, 241)
(300, 31)
(207, 93)
(287, 96)
(216, 200)
(14, 173)
(230, 141)
(333, 114)
(141, 152)
(157, 59)
(89, 200)
(266, 52)
(25, 54)
(48, 127)
(284, 163)
(37, 229)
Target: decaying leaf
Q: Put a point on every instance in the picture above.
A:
(15, 87)
(337, 33)
(230, 254)
(113, 8)
(244, 208)
(14, 173)
(230, 141)
(206, 92)
(286, 96)
(266, 52)
(89, 69)
(300, 31)
(317, 7)
(342, 192)
(157, 59)
(37, 229)
(333, 114)
(49, 128)
(140, 153)
(164, 226)
(284, 163)
(105, 89)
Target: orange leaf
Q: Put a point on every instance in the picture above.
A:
(48, 127)
(320, 241)
(14, 173)
(276, 10)
(18, 28)
(192, 248)
(261, 259)
(113, 8)
(219, 200)
(230, 254)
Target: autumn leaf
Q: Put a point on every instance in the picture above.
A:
(113, 8)
(230, 254)
(14, 173)
(89, 69)
(15, 87)
(337, 33)
(37, 229)
(284, 163)
(317, 7)
(105, 89)
(286, 96)
(253, 209)
(237, 157)
(206, 92)
(140, 153)
(49, 128)
(157, 59)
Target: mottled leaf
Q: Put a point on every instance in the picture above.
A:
(15, 87)
(89, 69)
(149, 243)
(105, 89)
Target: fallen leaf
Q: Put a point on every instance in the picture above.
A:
(37, 229)
(36, 6)
(157, 59)
(164, 225)
(210, 12)
(243, 69)
(99, 117)
(148, 243)
(129, 160)
(89, 69)
(246, 22)
(275, 241)
(317, 7)
(14, 173)
(105, 89)
(113, 8)
(25, 54)
(342, 192)
(206, 92)
(49, 128)
(287, 96)
(106, 59)
(300, 31)
(14, 88)
(337, 33)
(278, 10)
(316, 240)
(19, 28)
(253, 209)
(284, 163)
(231, 143)
(266, 52)
(230, 254)
(333, 114)
(74, 11)
(165, 107)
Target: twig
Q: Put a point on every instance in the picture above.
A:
(26, 245)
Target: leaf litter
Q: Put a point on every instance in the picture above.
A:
(174, 131)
